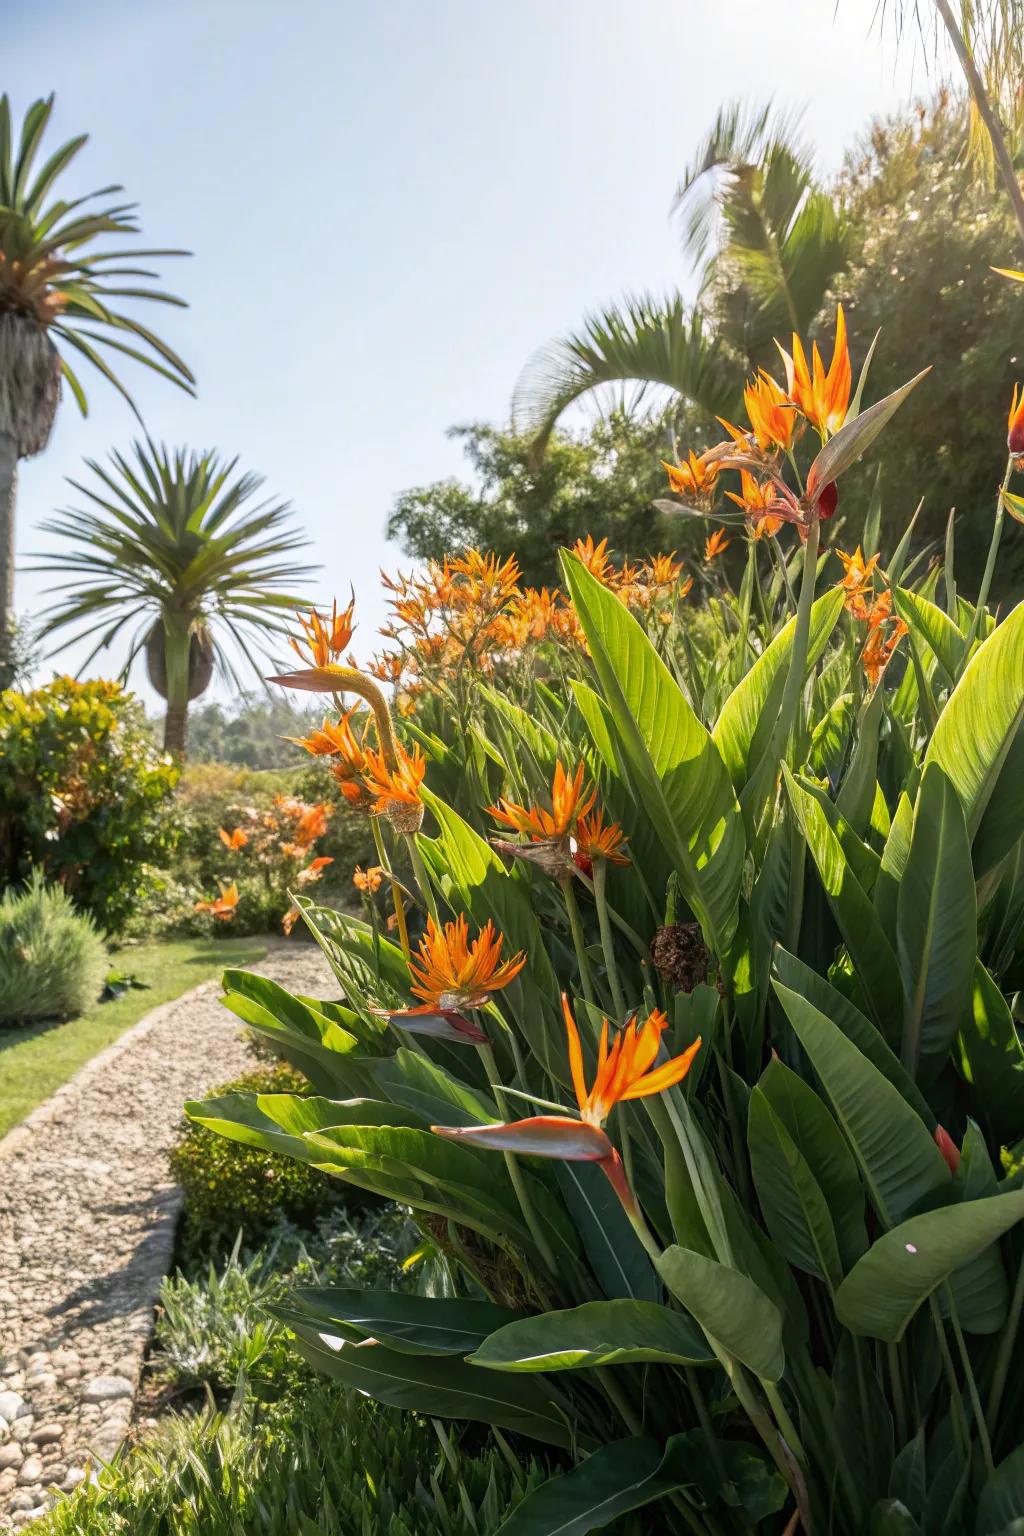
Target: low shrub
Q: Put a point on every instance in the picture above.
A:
(228, 1186)
(52, 957)
(326, 1462)
(84, 795)
(214, 1325)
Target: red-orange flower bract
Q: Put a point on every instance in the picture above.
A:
(625, 1070)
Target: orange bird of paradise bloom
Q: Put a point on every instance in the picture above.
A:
(716, 544)
(397, 789)
(233, 840)
(569, 801)
(450, 974)
(696, 476)
(625, 1071)
(593, 840)
(823, 398)
(368, 880)
(324, 641)
(223, 906)
(1015, 426)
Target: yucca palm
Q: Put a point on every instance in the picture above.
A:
(769, 240)
(176, 549)
(56, 293)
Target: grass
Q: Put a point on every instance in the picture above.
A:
(35, 1062)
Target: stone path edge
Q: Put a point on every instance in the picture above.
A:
(44, 1112)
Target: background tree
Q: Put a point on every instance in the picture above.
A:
(603, 481)
(925, 232)
(250, 735)
(177, 549)
(57, 292)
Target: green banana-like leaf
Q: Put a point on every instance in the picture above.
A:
(674, 762)
(440, 1386)
(901, 1165)
(867, 943)
(729, 1307)
(900, 1271)
(936, 927)
(795, 1210)
(595, 1334)
(420, 1325)
(744, 725)
(278, 1122)
(992, 1056)
(935, 627)
(978, 726)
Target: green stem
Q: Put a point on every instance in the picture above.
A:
(526, 1204)
(990, 563)
(956, 1403)
(972, 1385)
(422, 878)
(620, 922)
(396, 890)
(579, 944)
(607, 942)
(1006, 1346)
(899, 1401)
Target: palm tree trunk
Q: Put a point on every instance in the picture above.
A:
(177, 650)
(176, 729)
(8, 497)
(986, 111)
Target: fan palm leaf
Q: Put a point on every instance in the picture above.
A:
(645, 341)
(176, 552)
(61, 293)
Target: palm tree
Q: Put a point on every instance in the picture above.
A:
(173, 544)
(56, 291)
(769, 240)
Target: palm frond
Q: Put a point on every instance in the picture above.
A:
(645, 340)
(173, 532)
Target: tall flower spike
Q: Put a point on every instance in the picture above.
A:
(568, 801)
(397, 789)
(1015, 426)
(823, 398)
(625, 1071)
(451, 974)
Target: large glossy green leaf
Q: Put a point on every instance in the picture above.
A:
(278, 1122)
(900, 1162)
(674, 762)
(934, 626)
(613, 1250)
(977, 727)
(441, 1386)
(744, 724)
(1001, 1502)
(729, 1307)
(936, 927)
(426, 1325)
(885, 1288)
(596, 1333)
(795, 1210)
(412, 1079)
(991, 1056)
(793, 973)
(856, 796)
(619, 1477)
(867, 943)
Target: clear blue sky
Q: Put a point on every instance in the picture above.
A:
(392, 205)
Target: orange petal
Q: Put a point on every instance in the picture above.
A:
(665, 1076)
(579, 1081)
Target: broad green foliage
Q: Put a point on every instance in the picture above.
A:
(733, 1232)
(84, 795)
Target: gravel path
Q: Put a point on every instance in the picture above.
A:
(87, 1220)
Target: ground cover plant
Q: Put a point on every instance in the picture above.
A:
(692, 1045)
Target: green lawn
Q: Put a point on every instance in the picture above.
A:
(36, 1061)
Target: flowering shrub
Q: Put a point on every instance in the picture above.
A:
(702, 1077)
(84, 795)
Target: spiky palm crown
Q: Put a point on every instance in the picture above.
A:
(59, 287)
(174, 535)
